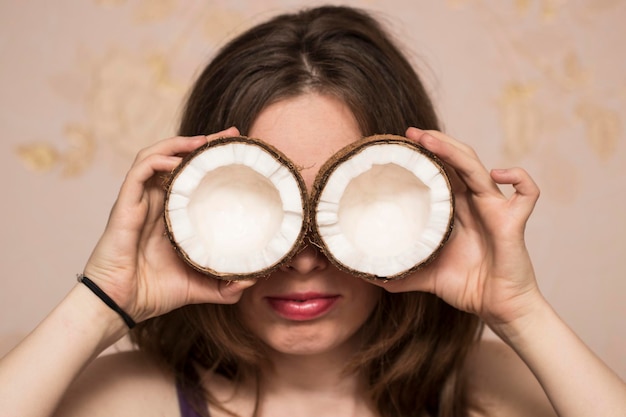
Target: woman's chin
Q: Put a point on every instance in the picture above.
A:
(308, 341)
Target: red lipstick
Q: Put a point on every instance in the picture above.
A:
(302, 306)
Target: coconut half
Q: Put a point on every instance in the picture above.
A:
(236, 208)
(383, 207)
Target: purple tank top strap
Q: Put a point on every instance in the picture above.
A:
(186, 410)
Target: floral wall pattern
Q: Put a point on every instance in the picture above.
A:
(535, 83)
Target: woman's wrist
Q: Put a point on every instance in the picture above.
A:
(570, 373)
(106, 299)
(90, 316)
(55, 352)
(526, 320)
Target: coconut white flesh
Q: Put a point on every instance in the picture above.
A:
(235, 209)
(384, 210)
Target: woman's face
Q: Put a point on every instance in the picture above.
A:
(308, 306)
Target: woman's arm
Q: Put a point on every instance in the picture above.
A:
(576, 381)
(36, 373)
(135, 265)
(485, 269)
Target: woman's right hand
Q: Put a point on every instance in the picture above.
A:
(134, 262)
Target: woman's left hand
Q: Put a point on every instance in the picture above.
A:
(484, 268)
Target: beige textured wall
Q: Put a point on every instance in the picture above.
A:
(537, 83)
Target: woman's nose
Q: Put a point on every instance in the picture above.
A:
(309, 259)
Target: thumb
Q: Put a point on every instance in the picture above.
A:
(421, 280)
(231, 291)
(206, 289)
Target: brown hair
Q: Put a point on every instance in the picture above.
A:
(414, 344)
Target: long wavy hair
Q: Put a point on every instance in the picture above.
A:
(414, 345)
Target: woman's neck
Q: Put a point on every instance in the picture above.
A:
(312, 385)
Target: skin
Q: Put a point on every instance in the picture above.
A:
(309, 355)
(484, 269)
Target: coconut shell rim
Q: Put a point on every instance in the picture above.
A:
(341, 157)
(277, 155)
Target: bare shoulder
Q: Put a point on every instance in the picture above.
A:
(121, 384)
(502, 384)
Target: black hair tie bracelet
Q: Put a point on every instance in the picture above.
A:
(107, 300)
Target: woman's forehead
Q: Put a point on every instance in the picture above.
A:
(308, 129)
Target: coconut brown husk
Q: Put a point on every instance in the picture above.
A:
(342, 156)
(278, 156)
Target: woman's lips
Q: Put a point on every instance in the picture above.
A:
(301, 307)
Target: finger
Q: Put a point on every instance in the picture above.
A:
(204, 289)
(416, 133)
(231, 131)
(231, 291)
(422, 280)
(134, 185)
(181, 145)
(460, 157)
(458, 186)
(161, 157)
(172, 146)
(526, 190)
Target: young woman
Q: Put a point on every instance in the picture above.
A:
(310, 83)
